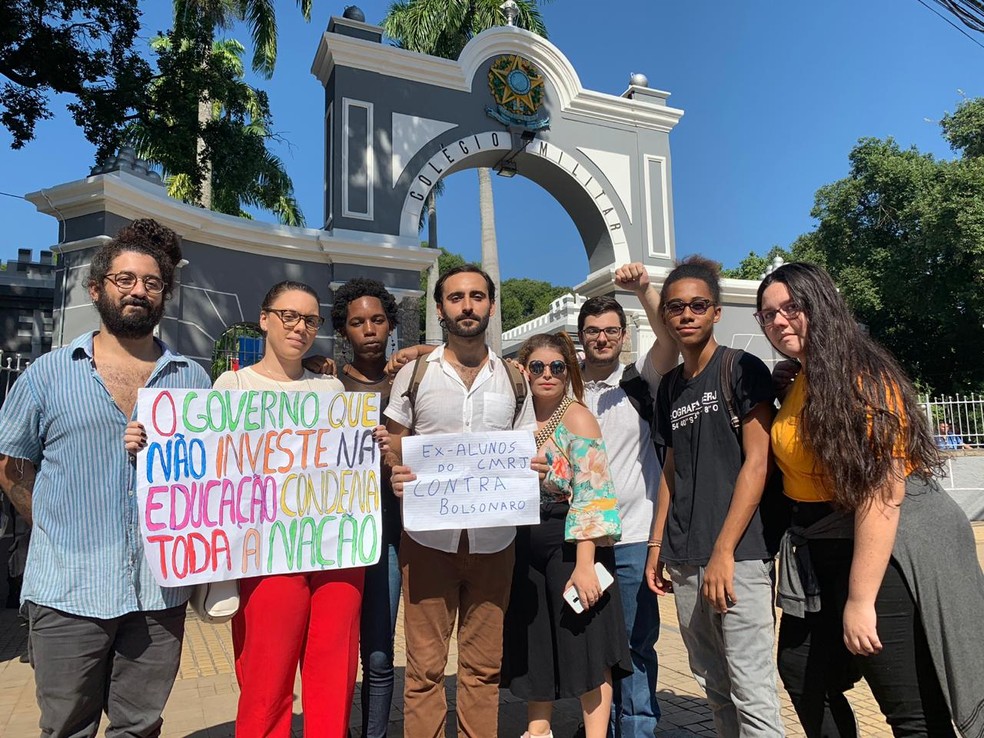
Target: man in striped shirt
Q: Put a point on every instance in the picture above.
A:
(103, 633)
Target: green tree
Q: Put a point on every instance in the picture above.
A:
(753, 266)
(524, 299)
(244, 173)
(442, 28)
(903, 237)
(195, 24)
(81, 48)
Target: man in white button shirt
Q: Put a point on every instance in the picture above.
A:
(456, 573)
(635, 472)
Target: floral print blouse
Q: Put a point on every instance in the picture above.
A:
(579, 475)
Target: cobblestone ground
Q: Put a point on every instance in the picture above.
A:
(203, 703)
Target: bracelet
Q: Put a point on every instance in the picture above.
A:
(654, 544)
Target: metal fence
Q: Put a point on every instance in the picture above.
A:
(11, 367)
(957, 421)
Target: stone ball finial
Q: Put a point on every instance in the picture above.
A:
(638, 79)
(353, 12)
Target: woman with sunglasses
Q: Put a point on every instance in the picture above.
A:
(552, 652)
(880, 573)
(311, 618)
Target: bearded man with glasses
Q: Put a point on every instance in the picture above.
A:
(103, 633)
(621, 397)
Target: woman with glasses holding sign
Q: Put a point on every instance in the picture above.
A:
(880, 573)
(311, 618)
(307, 618)
(564, 632)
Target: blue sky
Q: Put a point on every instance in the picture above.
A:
(775, 94)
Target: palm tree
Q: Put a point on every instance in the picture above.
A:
(197, 21)
(442, 28)
(244, 172)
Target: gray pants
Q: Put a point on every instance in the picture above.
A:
(731, 654)
(125, 666)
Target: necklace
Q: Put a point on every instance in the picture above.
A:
(547, 430)
(263, 370)
(348, 373)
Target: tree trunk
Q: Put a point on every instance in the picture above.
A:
(432, 331)
(204, 116)
(490, 254)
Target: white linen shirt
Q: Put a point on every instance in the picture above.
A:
(634, 467)
(445, 405)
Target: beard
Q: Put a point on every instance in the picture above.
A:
(456, 328)
(122, 325)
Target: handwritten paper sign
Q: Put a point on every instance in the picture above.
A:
(239, 483)
(470, 481)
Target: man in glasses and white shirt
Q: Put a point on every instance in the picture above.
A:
(621, 397)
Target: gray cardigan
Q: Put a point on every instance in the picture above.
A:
(936, 551)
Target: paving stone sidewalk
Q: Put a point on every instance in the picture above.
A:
(203, 703)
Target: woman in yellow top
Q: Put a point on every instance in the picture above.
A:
(881, 552)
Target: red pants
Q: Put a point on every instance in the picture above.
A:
(311, 618)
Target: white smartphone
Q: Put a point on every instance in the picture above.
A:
(604, 579)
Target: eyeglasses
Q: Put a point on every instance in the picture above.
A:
(767, 317)
(126, 281)
(611, 332)
(698, 307)
(558, 367)
(290, 317)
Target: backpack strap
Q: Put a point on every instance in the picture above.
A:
(419, 370)
(728, 361)
(519, 387)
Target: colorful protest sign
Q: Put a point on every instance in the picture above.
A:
(238, 483)
(470, 481)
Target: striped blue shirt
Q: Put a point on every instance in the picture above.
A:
(86, 556)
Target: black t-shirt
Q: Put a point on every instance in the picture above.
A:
(694, 422)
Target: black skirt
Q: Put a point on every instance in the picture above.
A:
(551, 652)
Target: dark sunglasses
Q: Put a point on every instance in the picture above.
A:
(557, 367)
(698, 307)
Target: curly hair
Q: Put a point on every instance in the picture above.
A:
(353, 290)
(695, 267)
(562, 344)
(861, 410)
(144, 236)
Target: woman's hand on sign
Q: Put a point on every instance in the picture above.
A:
(134, 437)
(401, 475)
(382, 438)
(585, 581)
(319, 365)
(540, 466)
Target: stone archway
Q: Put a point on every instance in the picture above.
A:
(396, 121)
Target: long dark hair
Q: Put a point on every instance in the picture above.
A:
(861, 409)
(562, 344)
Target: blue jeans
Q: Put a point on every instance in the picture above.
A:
(635, 710)
(380, 602)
